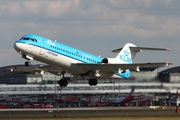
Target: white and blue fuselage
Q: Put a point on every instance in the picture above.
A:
(34, 47)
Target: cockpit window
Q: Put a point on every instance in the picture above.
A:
(21, 38)
(26, 38)
(34, 40)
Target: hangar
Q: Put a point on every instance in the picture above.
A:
(171, 75)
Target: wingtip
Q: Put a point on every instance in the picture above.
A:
(168, 63)
(168, 49)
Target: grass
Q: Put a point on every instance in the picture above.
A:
(115, 114)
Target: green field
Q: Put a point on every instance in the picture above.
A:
(114, 114)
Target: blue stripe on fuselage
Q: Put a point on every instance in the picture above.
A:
(62, 49)
(65, 50)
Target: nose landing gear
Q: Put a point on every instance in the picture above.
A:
(93, 81)
(27, 63)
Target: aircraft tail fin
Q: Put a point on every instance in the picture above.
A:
(126, 55)
(132, 92)
(129, 51)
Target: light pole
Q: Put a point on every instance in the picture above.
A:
(58, 114)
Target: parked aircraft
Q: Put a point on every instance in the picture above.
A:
(61, 59)
(121, 100)
(141, 100)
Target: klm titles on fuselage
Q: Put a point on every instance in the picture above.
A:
(52, 53)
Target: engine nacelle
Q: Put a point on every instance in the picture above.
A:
(109, 60)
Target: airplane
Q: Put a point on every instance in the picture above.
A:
(60, 59)
(94, 101)
(141, 100)
(121, 100)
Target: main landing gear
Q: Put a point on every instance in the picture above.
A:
(64, 81)
(93, 81)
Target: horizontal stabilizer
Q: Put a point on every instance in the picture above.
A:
(139, 49)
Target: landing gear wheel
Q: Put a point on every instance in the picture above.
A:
(90, 83)
(63, 83)
(27, 63)
(93, 81)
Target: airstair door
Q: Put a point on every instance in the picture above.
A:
(42, 51)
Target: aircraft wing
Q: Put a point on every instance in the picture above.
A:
(116, 67)
(87, 67)
(37, 68)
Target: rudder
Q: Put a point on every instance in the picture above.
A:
(126, 55)
(132, 92)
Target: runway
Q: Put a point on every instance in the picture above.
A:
(88, 112)
(75, 109)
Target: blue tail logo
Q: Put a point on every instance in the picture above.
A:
(126, 52)
(125, 57)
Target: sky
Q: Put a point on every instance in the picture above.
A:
(95, 26)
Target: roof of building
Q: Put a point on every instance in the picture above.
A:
(171, 70)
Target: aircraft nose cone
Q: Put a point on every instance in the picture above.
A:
(17, 46)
